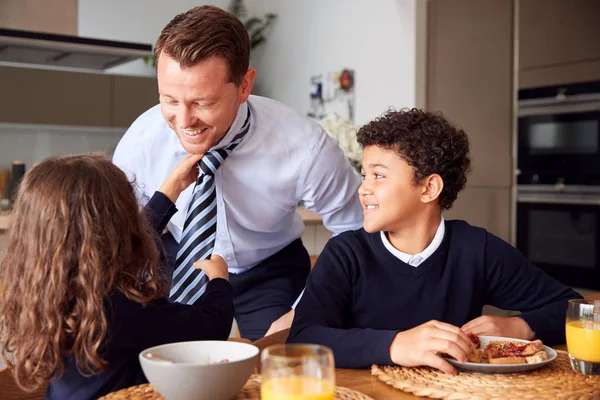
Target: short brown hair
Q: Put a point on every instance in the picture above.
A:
(204, 32)
(75, 238)
(428, 143)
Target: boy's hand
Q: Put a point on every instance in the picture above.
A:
(216, 267)
(512, 327)
(182, 176)
(421, 345)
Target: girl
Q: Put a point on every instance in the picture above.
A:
(83, 289)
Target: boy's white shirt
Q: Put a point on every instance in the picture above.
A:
(417, 259)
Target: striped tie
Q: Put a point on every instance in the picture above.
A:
(200, 228)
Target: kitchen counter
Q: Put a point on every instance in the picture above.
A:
(308, 217)
(3, 220)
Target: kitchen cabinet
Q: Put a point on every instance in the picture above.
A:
(469, 79)
(488, 207)
(470, 74)
(558, 41)
(132, 96)
(39, 96)
(53, 97)
(60, 17)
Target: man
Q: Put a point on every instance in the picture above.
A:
(259, 160)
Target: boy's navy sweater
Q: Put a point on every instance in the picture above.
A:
(134, 328)
(359, 295)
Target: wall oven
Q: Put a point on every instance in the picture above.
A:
(559, 135)
(558, 182)
(560, 232)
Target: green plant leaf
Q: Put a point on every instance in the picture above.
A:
(238, 8)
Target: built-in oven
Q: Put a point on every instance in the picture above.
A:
(559, 135)
(558, 229)
(558, 181)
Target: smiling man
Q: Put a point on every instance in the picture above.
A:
(259, 160)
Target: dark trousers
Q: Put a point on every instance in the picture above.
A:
(265, 292)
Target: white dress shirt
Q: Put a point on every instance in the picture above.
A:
(284, 158)
(417, 259)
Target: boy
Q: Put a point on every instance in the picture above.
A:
(411, 285)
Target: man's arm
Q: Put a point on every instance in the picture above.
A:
(329, 185)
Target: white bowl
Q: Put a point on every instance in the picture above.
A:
(194, 370)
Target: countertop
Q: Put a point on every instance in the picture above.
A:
(3, 220)
(307, 216)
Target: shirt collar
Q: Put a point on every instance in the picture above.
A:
(416, 259)
(235, 127)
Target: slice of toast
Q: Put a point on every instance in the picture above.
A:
(505, 352)
(507, 360)
(537, 357)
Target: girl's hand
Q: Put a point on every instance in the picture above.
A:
(421, 345)
(182, 176)
(216, 267)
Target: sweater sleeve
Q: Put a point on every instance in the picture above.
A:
(159, 211)
(162, 322)
(324, 316)
(514, 283)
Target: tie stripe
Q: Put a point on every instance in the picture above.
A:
(200, 227)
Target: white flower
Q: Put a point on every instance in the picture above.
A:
(344, 131)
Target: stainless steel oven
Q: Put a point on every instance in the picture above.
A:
(558, 229)
(559, 135)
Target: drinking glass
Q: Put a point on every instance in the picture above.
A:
(583, 335)
(297, 372)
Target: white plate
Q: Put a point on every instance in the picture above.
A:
(501, 368)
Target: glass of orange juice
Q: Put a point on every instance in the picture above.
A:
(297, 372)
(583, 335)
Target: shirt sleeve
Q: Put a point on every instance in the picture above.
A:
(329, 186)
(514, 283)
(162, 322)
(324, 317)
(130, 158)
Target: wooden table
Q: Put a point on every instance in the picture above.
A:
(361, 380)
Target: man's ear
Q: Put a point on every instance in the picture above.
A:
(432, 188)
(246, 85)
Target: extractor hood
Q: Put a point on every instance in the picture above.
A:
(25, 47)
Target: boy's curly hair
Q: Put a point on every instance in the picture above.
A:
(428, 142)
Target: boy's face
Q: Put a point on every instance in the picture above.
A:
(389, 197)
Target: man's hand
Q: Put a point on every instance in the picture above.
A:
(513, 327)
(284, 322)
(182, 176)
(421, 345)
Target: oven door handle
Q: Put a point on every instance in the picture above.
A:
(558, 199)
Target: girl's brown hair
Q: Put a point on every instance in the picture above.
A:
(204, 32)
(76, 236)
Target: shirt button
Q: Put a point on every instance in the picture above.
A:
(228, 258)
(219, 204)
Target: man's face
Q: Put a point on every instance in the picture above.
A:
(198, 102)
(389, 197)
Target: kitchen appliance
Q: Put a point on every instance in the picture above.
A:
(25, 47)
(559, 231)
(559, 135)
(558, 181)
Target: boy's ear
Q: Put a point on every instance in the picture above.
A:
(432, 188)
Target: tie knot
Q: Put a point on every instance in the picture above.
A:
(211, 161)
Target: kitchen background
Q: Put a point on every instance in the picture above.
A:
(467, 58)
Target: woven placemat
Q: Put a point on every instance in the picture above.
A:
(553, 381)
(250, 391)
